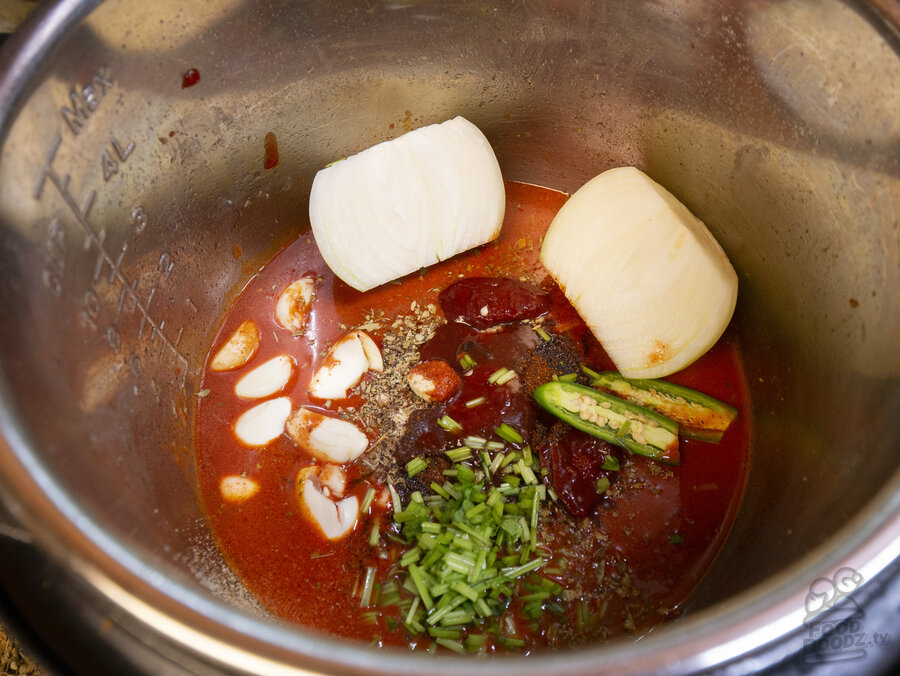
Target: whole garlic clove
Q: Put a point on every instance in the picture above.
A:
(266, 379)
(344, 366)
(328, 439)
(434, 380)
(373, 354)
(263, 423)
(333, 519)
(294, 304)
(238, 349)
(235, 488)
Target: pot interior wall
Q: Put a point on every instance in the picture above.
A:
(133, 210)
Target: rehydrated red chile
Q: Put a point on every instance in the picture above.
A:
(483, 302)
(575, 462)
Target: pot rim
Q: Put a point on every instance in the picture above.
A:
(768, 616)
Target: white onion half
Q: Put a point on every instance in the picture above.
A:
(407, 203)
(644, 273)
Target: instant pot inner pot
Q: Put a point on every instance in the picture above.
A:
(134, 210)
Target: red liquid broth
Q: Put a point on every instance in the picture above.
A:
(665, 535)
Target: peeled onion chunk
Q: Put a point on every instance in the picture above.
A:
(644, 273)
(344, 366)
(266, 379)
(334, 519)
(263, 423)
(407, 203)
(328, 439)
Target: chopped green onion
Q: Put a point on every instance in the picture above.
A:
(477, 401)
(375, 533)
(494, 445)
(455, 646)
(395, 499)
(466, 362)
(366, 596)
(496, 375)
(505, 378)
(416, 465)
(474, 442)
(542, 333)
(459, 454)
(568, 378)
(590, 373)
(367, 500)
(511, 434)
(449, 424)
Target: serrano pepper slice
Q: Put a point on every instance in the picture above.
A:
(698, 415)
(634, 428)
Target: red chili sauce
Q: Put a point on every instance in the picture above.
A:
(628, 559)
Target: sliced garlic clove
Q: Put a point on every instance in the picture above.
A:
(408, 203)
(373, 354)
(294, 303)
(645, 274)
(334, 519)
(266, 379)
(328, 439)
(263, 423)
(344, 366)
(234, 488)
(238, 349)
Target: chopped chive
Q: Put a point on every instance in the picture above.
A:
(366, 596)
(416, 465)
(496, 375)
(510, 433)
(568, 378)
(505, 378)
(526, 455)
(449, 424)
(474, 442)
(542, 333)
(459, 454)
(477, 401)
(494, 445)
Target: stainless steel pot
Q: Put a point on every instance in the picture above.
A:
(132, 210)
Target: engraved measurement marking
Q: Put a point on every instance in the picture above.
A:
(108, 164)
(90, 300)
(55, 258)
(85, 101)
